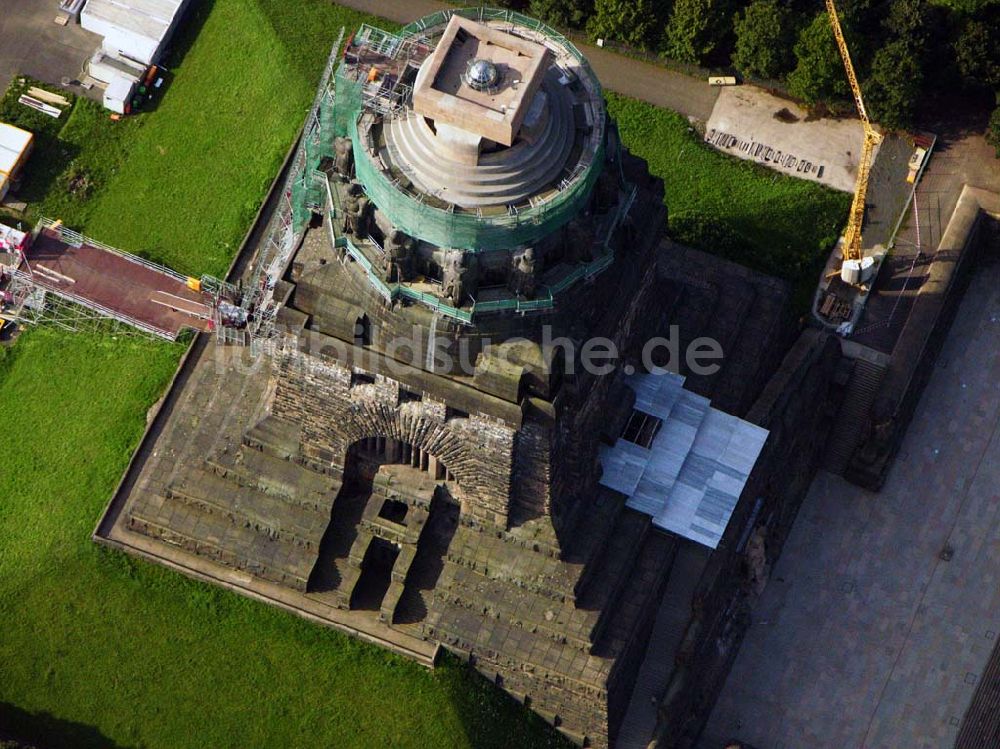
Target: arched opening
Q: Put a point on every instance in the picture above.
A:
(376, 451)
(391, 490)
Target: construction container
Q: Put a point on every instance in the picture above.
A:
(118, 94)
(15, 147)
(105, 67)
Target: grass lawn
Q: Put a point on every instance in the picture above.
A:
(97, 648)
(730, 207)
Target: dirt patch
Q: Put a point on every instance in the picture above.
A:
(783, 115)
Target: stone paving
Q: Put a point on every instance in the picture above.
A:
(867, 634)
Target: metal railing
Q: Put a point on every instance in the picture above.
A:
(26, 279)
(76, 239)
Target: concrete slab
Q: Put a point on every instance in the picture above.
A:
(752, 124)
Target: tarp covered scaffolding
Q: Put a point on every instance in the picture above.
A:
(681, 461)
(384, 91)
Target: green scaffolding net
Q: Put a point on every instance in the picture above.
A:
(500, 228)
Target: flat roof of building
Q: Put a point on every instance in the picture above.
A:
(13, 143)
(148, 18)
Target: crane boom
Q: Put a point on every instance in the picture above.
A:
(852, 236)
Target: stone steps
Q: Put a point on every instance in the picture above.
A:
(606, 584)
(672, 619)
(863, 386)
(304, 523)
(503, 178)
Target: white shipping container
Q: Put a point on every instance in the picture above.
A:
(118, 93)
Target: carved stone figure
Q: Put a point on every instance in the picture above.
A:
(606, 194)
(523, 279)
(343, 160)
(398, 256)
(357, 210)
(459, 276)
(758, 568)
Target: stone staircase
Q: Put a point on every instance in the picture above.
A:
(672, 619)
(505, 177)
(862, 387)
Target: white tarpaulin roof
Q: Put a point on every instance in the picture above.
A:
(691, 476)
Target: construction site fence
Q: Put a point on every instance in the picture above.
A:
(75, 239)
(99, 310)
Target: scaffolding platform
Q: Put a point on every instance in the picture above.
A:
(108, 283)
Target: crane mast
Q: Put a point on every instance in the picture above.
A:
(852, 236)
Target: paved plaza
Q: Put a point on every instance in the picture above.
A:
(868, 634)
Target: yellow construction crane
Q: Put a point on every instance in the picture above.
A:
(852, 236)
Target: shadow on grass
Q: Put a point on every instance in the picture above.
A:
(45, 730)
(187, 32)
(492, 718)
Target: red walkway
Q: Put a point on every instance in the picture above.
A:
(99, 278)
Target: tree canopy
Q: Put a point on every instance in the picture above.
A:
(763, 40)
(819, 71)
(893, 88)
(696, 29)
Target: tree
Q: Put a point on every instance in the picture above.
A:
(763, 40)
(634, 22)
(696, 29)
(819, 72)
(993, 131)
(573, 14)
(910, 20)
(894, 85)
(977, 51)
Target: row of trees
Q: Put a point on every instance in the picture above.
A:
(903, 50)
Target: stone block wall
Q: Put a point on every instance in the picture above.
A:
(336, 408)
(797, 407)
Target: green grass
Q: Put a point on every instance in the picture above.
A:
(97, 648)
(730, 207)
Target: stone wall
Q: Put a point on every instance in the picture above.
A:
(969, 232)
(336, 408)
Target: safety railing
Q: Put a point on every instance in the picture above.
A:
(104, 312)
(76, 239)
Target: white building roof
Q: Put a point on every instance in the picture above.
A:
(691, 475)
(151, 19)
(13, 143)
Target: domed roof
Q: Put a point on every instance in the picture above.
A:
(482, 74)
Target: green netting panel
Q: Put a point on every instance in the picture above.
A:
(456, 228)
(346, 105)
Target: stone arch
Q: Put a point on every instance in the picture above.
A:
(378, 450)
(389, 450)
